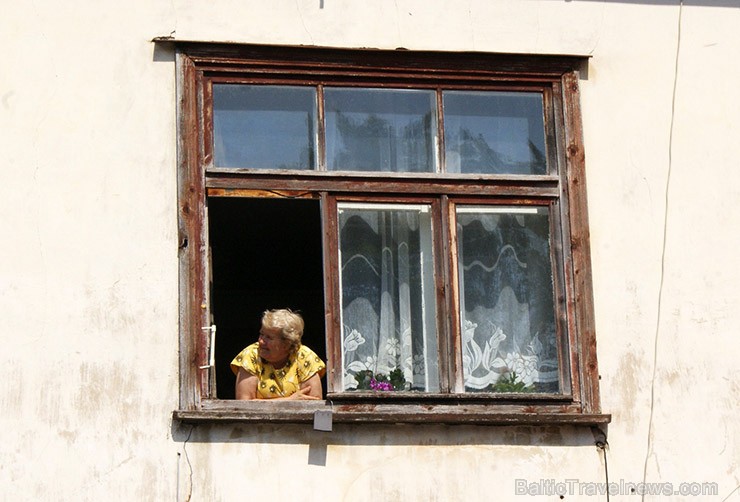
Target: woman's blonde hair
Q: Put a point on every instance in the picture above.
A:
(290, 325)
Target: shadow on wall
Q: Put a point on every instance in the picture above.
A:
(163, 52)
(385, 435)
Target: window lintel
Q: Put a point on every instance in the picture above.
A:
(216, 56)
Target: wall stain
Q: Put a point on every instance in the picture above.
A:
(630, 371)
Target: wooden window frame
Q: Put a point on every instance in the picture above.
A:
(201, 64)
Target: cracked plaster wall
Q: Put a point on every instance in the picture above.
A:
(88, 279)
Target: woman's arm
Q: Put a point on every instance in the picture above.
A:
(246, 385)
(313, 385)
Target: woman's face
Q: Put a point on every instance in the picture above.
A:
(272, 347)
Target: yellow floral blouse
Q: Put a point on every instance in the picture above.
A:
(284, 381)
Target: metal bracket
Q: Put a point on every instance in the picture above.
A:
(211, 347)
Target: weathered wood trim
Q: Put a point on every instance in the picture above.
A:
(261, 193)
(440, 150)
(441, 296)
(320, 153)
(560, 295)
(265, 412)
(201, 291)
(544, 188)
(188, 229)
(430, 398)
(453, 323)
(207, 121)
(268, 75)
(349, 176)
(332, 300)
(455, 64)
(580, 243)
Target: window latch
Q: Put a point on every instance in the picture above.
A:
(211, 347)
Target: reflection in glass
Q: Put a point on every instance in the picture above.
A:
(387, 306)
(264, 127)
(507, 301)
(380, 130)
(494, 132)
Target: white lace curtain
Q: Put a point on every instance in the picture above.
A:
(506, 290)
(386, 302)
(508, 322)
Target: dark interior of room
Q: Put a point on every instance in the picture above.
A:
(265, 254)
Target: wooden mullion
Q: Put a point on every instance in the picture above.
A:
(441, 166)
(551, 142)
(207, 122)
(560, 296)
(328, 71)
(384, 199)
(452, 290)
(321, 131)
(385, 177)
(445, 351)
(332, 293)
(348, 184)
(380, 80)
(261, 193)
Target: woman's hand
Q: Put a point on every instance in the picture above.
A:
(312, 388)
(303, 394)
(246, 388)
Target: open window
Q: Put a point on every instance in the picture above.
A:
(265, 252)
(425, 212)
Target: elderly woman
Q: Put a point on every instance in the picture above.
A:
(277, 366)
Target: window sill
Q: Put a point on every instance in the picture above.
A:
(221, 411)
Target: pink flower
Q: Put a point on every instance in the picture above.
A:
(376, 385)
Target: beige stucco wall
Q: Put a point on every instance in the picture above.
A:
(88, 275)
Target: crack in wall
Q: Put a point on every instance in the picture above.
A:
(303, 22)
(190, 467)
(649, 447)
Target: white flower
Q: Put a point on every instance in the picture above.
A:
(468, 330)
(353, 340)
(391, 347)
(490, 359)
(371, 363)
(525, 367)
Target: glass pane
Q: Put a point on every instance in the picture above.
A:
(494, 133)
(507, 301)
(387, 288)
(264, 127)
(380, 130)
